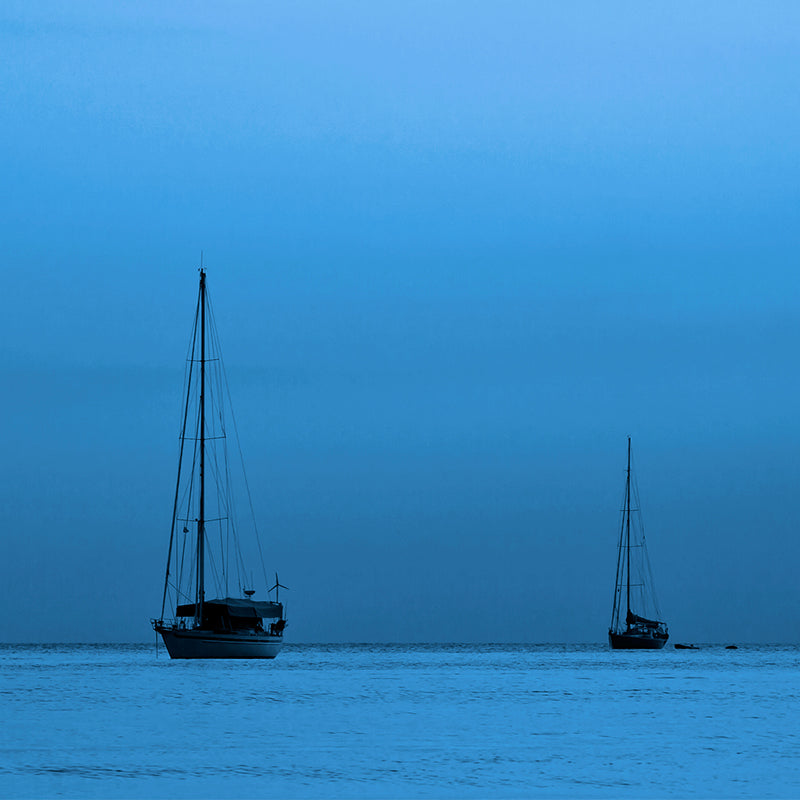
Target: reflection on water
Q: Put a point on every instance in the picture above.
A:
(399, 721)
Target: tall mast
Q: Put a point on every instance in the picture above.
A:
(201, 518)
(628, 526)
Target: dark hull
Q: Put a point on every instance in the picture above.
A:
(634, 641)
(207, 644)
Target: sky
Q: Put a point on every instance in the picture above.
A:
(457, 252)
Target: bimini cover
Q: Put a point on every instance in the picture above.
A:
(635, 619)
(235, 607)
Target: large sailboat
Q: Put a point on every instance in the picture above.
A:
(204, 536)
(634, 588)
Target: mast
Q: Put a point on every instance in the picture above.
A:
(628, 527)
(201, 517)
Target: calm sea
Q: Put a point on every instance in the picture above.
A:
(401, 721)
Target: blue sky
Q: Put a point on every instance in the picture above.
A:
(457, 252)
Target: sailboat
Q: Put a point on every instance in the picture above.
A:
(204, 536)
(634, 588)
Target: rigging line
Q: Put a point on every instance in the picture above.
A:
(186, 502)
(646, 564)
(224, 506)
(222, 479)
(227, 551)
(213, 566)
(188, 494)
(222, 503)
(652, 583)
(230, 505)
(189, 488)
(187, 372)
(241, 570)
(224, 492)
(190, 580)
(620, 575)
(180, 559)
(232, 530)
(187, 497)
(214, 465)
(247, 485)
(628, 531)
(637, 503)
(239, 446)
(224, 561)
(179, 593)
(183, 553)
(178, 481)
(618, 578)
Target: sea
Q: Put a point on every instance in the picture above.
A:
(401, 721)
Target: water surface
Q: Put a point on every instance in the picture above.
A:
(400, 721)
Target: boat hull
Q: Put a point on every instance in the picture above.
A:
(207, 644)
(633, 641)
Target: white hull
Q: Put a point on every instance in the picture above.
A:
(207, 644)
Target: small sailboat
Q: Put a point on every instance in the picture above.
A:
(205, 535)
(634, 587)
